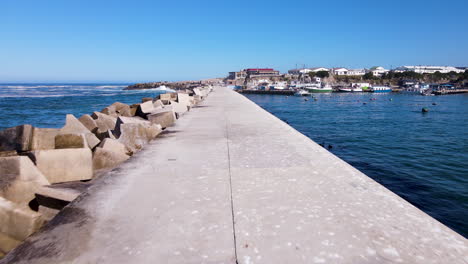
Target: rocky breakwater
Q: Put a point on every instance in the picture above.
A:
(43, 169)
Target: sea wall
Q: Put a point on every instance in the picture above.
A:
(43, 169)
(231, 183)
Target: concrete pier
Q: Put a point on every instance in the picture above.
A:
(232, 183)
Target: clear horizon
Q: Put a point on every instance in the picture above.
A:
(122, 42)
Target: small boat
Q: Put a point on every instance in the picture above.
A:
(302, 93)
(380, 89)
(318, 89)
(350, 89)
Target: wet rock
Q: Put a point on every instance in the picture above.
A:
(20, 179)
(18, 222)
(64, 165)
(117, 109)
(16, 138)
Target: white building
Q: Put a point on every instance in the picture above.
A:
(378, 71)
(429, 69)
(340, 71)
(356, 72)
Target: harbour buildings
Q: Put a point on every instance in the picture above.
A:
(254, 72)
(430, 69)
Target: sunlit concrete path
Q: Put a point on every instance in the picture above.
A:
(231, 183)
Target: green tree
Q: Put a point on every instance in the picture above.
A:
(368, 76)
(312, 74)
(322, 74)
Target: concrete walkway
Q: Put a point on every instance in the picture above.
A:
(230, 182)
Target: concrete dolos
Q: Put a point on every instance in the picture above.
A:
(230, 183)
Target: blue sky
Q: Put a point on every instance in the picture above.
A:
(131, 41)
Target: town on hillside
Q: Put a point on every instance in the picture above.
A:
(423, 80)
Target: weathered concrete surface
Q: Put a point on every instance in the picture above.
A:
(293, 202)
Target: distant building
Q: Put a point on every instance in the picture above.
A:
(307, 70)
(339, 71)
(378, 71)
(429, 69)
(356, 72)
(254, 72)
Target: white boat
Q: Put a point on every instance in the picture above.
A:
(350, 89)
(302, 93)
(380, 89)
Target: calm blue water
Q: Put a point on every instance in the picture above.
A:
(421, 157)
(45, 105)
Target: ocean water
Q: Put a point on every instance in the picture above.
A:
(423, 157)
(45, 105)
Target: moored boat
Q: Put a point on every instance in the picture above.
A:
(318, 89)
(380, 89)
(350, 89)
(302, 93)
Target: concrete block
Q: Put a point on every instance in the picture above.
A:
(16, 138)
(183, 98)
(74, 126)
(43, 138)
(20, 179)
(158, 104)
(64, 141)
(18, 222)
(47, 213)
(106, 134)
(135, 135)
(144, 109)
(88, 122)
(55, 198)
(64, 165)
(179, 108)
(128, 120)
(133, 109)
(104, 122)
(117, 109)
(7, 243)
(113, 145)
(163, 118)
(9, 153)
(107, 158)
